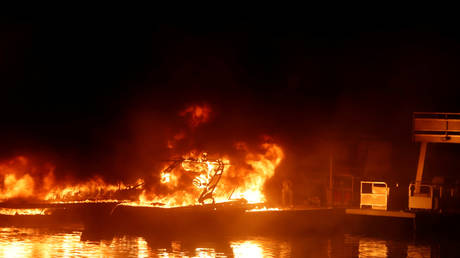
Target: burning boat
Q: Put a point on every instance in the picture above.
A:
(209, 216)
(216, 191)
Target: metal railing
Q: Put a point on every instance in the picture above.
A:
(422, 199)
(374, 195)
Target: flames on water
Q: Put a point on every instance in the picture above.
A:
(243, 177)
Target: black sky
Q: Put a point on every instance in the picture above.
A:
(78, 92)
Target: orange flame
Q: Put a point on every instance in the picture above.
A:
(245, 181)
(263, 167)
(17, 179)
(20, 178)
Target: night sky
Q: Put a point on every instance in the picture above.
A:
(103, 96)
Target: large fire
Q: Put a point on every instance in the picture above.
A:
(194, 178)
(19, 179)
(243, 181)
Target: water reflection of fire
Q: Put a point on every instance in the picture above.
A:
(247, 249)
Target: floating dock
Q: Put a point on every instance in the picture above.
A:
(381, 222)
(111, 218)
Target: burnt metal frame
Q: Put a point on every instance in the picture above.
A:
(211, 185)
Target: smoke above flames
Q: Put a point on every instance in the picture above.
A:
(196, 114)
(248, 165)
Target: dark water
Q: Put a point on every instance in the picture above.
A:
(45, 242)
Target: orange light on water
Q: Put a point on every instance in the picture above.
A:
(247, 249)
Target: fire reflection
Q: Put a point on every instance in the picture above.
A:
(142, 249)
(247, 249)
(34, 243)
(205, 253)
(26, 242)
(415, 251)
(372, 248)
(15, 249)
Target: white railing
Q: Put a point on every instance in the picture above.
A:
(421, 200)
(374, 195)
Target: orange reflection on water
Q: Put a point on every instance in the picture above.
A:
(16, 249)
(35, 242)
(247, 249)
(205, 253)
(417, 251)
(142, 248)
(372, 248)
(24, 242)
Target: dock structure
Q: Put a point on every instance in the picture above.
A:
(108, 218)
(381, 213)
(432, 127)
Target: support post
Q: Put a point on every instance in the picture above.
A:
(421, 163)
(331, 182)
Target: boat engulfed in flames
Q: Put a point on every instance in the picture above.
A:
(193, 183)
